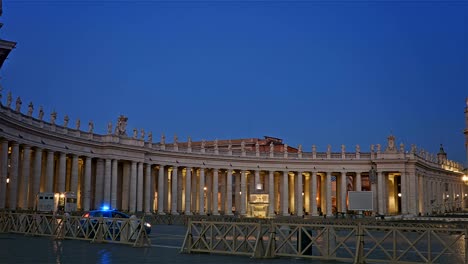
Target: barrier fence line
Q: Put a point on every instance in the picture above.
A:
(98, 230)
(358, 243)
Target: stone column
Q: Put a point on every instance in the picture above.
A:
(299, 190)
(25, 174)
(36, 178)
(139, 193)
(98, 191)
(358, 182)
(380, 190)
(285, 194)
(343, 192)
(133, 187)
(328, 193)
(174, 191)
(257, 180)
(87, 185)
(74, 174)
(50, 172)
(62, 168)
(107, 181)
(306, 195)
(271, 193)
(313, 194)
(404, 194)
(421, 193)
(148, 188)
(13, 184)
(188, 186)
(161, 190)
(243, 192)
(125, 185)
(215, 191)
(201, 192)
(229, 192)
(115, 164)
(413, 193)
(3, 172)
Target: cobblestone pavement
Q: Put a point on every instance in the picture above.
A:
(166, 241)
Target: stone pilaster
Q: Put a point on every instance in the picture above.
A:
(343, 191)
(147, 188)
(174, 195)
(300, 197)
(285, 194)
(201, 192)
(243, 192)
(271, 193)
(215, 191)
(13, 184)
(161, 190)
(228, 210)
(313, 194)
(25, 175)
(328, 193)
(87, 185)
(114, 184)
(188, 185)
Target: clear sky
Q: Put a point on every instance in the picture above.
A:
(309, 72)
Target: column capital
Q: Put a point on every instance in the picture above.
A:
(26, 147)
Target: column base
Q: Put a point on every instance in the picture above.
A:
(174, 213)
(161, 213)
(201, 213)
(215, 213)
(188, 213)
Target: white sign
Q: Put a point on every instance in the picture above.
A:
(360, 201)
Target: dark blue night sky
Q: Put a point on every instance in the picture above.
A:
(310, 72)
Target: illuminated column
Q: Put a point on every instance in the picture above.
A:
(36, 178)
(3, 172)
(313, 194)
(140, 193)
(215, 191)
(299, 197)
(358, 182)
(74, 175)
(237, 192)
(174, 191)
(194, 191)
(114, 184)
(306, 195)
(107, 181)
(49, 185)
(161, 190)
(13, 184)
(99, 177)
(328, 193)
(201, 192)
(148, 188)
(258, 183)
(271, 193)
(62, 168)
(133, 187)
(285, 194)
(421, 193)
(404, 194)
(87, 185)
(229, 192)
(380, 190)
(25, 173)
(343, 191)
(188, 186)
(243, 191)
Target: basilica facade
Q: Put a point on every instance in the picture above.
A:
(128, 171)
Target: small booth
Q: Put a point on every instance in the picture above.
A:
(258, 205)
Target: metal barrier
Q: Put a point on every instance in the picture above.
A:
(98, 230)
(358, 243)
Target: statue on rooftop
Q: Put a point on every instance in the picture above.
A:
(272, 147)
(109, 128)
(314, 149)
(203, 144)
(242, 146)
(142, 134)
(121, 126)
(328, 148)
(150, 137)
(53, 117)
(41, 113)
(78, 124)
(65, 120)
(9, 99)
(189, 142)
(216, 144)
(230, 146)
(257, 147)
(378, 148)
(163, 139)
(90, 127)
(135, 133)
(402, 147)
(299, 148)
(18, 104)
(176, 139)
(358, 149)
(30, 109)
(343, 148)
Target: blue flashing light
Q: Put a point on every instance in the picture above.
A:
(105, 208)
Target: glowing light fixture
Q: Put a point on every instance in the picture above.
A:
(399, 194)
(7, 180)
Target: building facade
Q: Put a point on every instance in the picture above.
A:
(134, 174)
